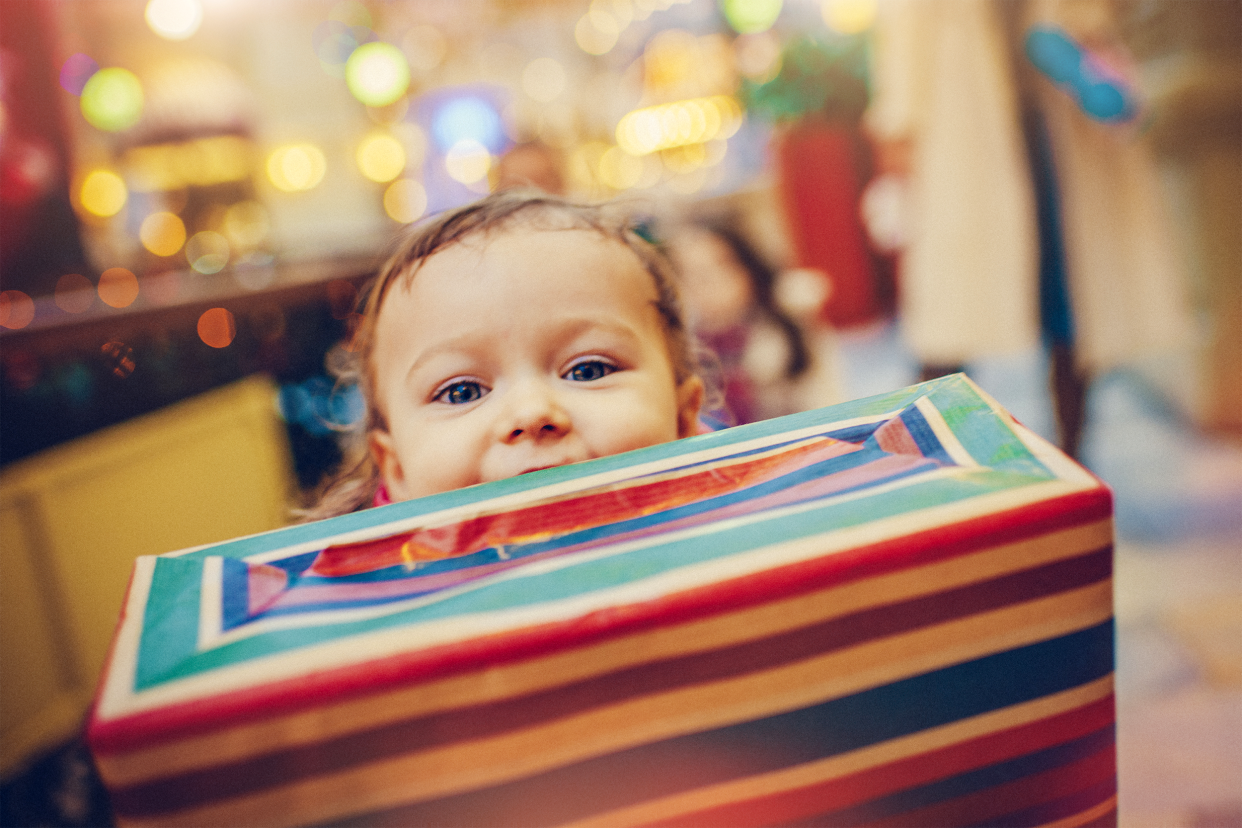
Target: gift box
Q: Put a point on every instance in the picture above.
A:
(896, 610)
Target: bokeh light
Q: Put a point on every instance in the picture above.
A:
(750, 16)
(468, 117)
(74, 293)
(112, 99)
(377, 73)
(119, 357)
(118, 287)
(296, 167)
(199, 162)
(246, 224)
(17, 309)
(207, 251)
(758, 56)
(335, 40)
(678, 124)
(103, 193)
(849, 16)
(620, 170)
(162, 233)
(468, 161)
(380, 157)
(174, 19)
(76, 71)
(405, 200)
(544, 79)
(217, 327)
(596, 34)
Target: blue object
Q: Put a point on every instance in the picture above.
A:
(1065, 63)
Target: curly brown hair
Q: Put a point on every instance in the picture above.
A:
(354, 485)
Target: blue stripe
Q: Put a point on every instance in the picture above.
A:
(235, 593)
(777, 742)
(604, 532)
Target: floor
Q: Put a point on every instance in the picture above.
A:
(1177, 579)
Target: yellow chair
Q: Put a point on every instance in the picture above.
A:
(74, 517)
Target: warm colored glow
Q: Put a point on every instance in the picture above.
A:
(112, 99)
(200, 162)
(377, 73)
(468, 161)
(758, 56)
(246, 224)
(103, 193)
(174, 19)
(162, 233)
(380, 157)
(620, 170)
(351, 13)
(17, 310)
(544, 79)
(76, 71)
(424, 47)
(74, 293)
(849, 16)
(750, 16)
(405, 200)
(297, 167)
(207, 251)
(118, 287)
(120, 356)
(596, 34)
(217, 327)
(678, 124)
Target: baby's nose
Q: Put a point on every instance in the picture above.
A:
(534, 412)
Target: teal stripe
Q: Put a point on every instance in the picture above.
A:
(577, 578)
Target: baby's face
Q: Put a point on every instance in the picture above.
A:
(520, 351)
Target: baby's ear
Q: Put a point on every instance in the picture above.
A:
(384, 454)
(689, 401)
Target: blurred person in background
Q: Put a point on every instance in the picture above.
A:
(1033, 209)
(761, 325)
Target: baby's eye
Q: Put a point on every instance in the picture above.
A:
(589, 370)
(459, 392)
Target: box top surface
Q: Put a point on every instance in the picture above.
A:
(423, 587)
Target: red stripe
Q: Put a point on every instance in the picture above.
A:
(360, 680)
(478, 721)
(921, 769)
(987, 805)
(592, 508)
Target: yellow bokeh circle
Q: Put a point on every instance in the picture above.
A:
(103, 193)
(380, 157)
(377, 73)
(112, 99)
(162, 233)
(296, 167)
(405, 200)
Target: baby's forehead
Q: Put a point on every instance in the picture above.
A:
(551, 228)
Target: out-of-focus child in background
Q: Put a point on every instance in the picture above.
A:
(515, 334)
(772, 361)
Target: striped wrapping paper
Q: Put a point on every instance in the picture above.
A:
(895, 611)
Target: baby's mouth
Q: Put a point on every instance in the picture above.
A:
(541, 468)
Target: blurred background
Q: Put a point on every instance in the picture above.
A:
(859, 194)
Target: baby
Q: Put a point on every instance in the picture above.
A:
(514, 334)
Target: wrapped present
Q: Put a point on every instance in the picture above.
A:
(894, 611)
